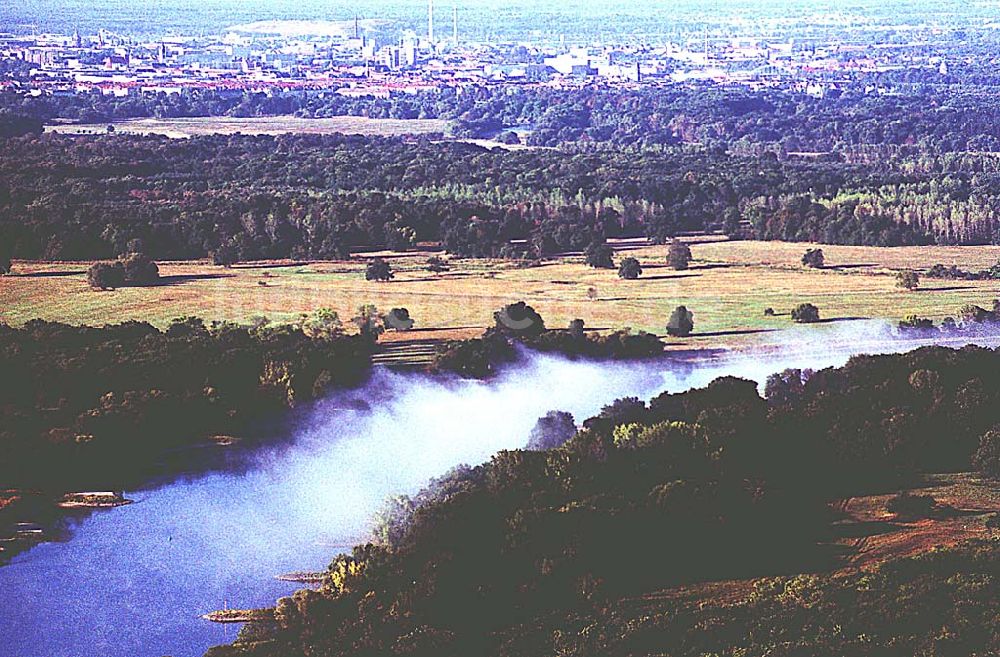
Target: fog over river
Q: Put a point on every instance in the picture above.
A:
(133, 581)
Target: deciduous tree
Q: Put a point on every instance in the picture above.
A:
(629, 269)
(678, 255)
(378, 269)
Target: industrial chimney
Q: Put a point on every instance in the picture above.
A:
(430, 21)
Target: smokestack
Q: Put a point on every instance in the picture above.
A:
(430, 21)
(357, 30)
(454, 25)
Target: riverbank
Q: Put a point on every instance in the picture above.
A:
(239, 615)
(196, 543)
(92, 500)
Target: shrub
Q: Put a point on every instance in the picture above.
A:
(324, 324)
(907, 505)
(625, 436)
(787, 386)
(769, 312)
(437, 265)
(973, 313)
(509, 138)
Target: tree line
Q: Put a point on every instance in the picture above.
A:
(941, 116)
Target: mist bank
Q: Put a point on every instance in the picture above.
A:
(708, 481)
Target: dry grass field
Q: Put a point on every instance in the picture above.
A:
(968, 501)
(728, 287)
(267, 125)
(870, 536)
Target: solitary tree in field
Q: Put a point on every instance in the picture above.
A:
(518, 319)
(378, 270)
(398, 319)
(106, 275)
(678, 255)
(576, 328)
(599, 255)
(805, 313)
(592, 293)
(681, 322)
(908, 280)
(629, 269)
(814, 258)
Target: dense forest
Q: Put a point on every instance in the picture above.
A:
(104, 406)
(552, 551)
(321, 197)
(853, 168)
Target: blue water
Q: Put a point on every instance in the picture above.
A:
(133, 581)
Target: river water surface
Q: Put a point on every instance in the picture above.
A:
(133, 581)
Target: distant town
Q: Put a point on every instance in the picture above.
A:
(355, 58)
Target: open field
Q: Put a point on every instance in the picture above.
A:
(267, 125)
(728, 287)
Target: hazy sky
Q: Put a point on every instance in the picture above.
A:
(515, 18)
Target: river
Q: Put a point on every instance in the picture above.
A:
(134, 580)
